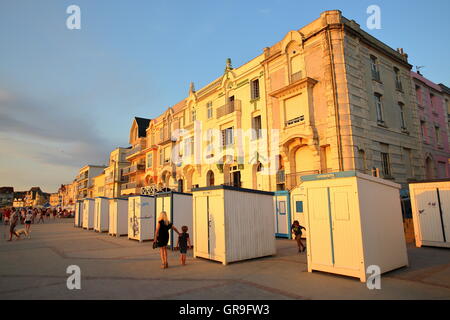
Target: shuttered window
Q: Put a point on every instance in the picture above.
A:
(293, 110)
(227, 136)
(255, 89)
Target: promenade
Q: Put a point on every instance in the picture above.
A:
(118, 268)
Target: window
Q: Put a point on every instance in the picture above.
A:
(398, 81)
(149, 160)
(362, 161)
(379, 108)
(293, 110)
(259, 167)
(419, 95)
(209, 110)
(402, 115)
(257, 128)
(161, 157)
(407, 162)
(227, 136)
(432, 102)
(385, 164)
(437, 132)
(255, 89)
(374, 68)
(189, 146)
(423, 129)
(442, 172)
(193, 115)
(299, 206)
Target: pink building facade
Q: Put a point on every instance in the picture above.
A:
(433, 125)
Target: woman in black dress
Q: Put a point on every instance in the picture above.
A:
(162, 236)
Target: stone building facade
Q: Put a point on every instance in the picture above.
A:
(327, 97)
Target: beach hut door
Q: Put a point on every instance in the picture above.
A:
(282, 217)
(202, 225)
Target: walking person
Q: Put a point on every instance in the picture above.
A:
(28, 219)
(7, 216)
(296, 229)
(162, 236)
(40, 216)
(23, 212)
(184, 242)
(13, 224)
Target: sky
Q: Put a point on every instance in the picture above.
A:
(68, 97)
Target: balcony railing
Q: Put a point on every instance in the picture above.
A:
(118, 179)
(281, 177)
(134, 150)
(296, 76)
(293, 179)
(82, 176)
(237, 184)
(295, 120)
(133, 169)
(376, 75)
(131, 185)
(228, 108)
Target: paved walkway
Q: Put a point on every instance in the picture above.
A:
(118, 268)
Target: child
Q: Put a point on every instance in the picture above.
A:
(183, 243)
(297, 230)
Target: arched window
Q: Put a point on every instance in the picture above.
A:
(259, 167)
(210, 178)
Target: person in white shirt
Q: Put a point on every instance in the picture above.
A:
(28, 218)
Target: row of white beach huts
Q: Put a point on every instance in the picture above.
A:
(352, 221)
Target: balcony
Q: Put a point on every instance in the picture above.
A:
(296, 76)
(82, 176)
(295, 120)
(118, 179)
(133, 151)
(376, 75)
(292, 180)
(131, 188)
(82, 186)
(281, 177)
(228, 108)
(133, 169)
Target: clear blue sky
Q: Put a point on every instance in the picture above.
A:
(67, 97)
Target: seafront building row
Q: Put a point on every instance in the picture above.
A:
(328, 97)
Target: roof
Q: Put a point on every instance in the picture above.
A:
(6, 189)
(444, 88)
(142, 124)
(425, 81)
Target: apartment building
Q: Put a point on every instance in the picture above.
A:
(134, 173)
(433, 126)
(446, 94)
(98, 186)
(327, 97)
(34, 197)
(55, 199)
(68, 194)
(6, 196)
(85, 180)
(114, 178)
